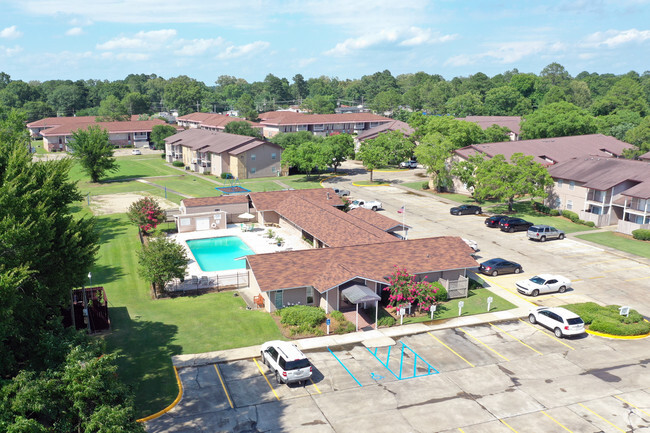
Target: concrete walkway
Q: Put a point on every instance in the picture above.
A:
(372, 338)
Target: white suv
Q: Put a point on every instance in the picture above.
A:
(560, 320)
(287, 361)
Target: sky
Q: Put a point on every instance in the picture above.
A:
(346, 39)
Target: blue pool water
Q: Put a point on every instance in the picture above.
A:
(219, 254)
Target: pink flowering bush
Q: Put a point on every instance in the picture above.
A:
(146, 213)
(405, 289)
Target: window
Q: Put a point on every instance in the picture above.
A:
(273, 156)
(253, 170)
(185, 222)
(569, 204)
(273, 169)
(319, 127)
(559, 183)
(572, 185)
(310, 295)
(252, 157)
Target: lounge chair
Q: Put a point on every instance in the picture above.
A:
(195, 280)
(204, 281)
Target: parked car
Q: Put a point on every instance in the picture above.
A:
(514, 225)
(136, 152)
(542, 233)
(543, 283)
(341, 192)
(287, 362)
(560, 320)
(498, 266)
(408, 164)
(465, 209)
(368, 204)
(470, 243)
(494, 220)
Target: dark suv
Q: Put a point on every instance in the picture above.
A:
(514, 225)
(466, 209)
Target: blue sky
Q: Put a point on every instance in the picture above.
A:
(109, 39)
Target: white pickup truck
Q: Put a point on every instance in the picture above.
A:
(368, 204)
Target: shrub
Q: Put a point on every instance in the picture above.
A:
(386, 321)
(345, 327)
(226, 175)
(554, 212)
(305, 329)
(539, 207)
(146, 213)
(641, 234)
(178, 164)
(299, 315)
(441, 293)
(570, 215)
(163, 156)
(608, 320)
(590, 224)
(425, 185)
(337, 315)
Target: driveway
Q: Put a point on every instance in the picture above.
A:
(496, 377)
(599, 274)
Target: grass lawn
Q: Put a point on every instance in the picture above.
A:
(146, 333)
(620, 242)
(475, 303)
(38, 147)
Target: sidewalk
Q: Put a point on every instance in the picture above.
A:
(373, 338)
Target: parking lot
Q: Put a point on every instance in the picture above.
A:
(502, 376)
(496, 377)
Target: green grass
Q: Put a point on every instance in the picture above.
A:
(38, 146)
(146, 332)
(619, 242)
(475, 303)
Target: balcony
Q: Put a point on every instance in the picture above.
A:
(599, 196)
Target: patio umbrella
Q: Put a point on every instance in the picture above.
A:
(246, 216)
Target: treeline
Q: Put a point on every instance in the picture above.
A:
(509, 93)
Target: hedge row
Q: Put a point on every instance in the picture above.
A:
(641, 234)
(299, 315)
(576, 219)
(608, 319)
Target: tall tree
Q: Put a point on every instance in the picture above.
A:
(560, 119)
(305, 157)
(499, 179)
(639, 136)
(319, 104)
(111, 109)
(337, 149)
(136, 103)
(159, 133)
(184, 94)
(373, 155)
(94, 151)
(161, 260)
(467, 104)
(433, 152)
(299, 86)
(397, 146)
(242, 128)
(44, 251)
(288, 139)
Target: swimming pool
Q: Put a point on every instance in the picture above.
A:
(219, 254)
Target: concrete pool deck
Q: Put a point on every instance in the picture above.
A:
(256, 240)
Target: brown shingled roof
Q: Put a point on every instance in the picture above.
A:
(330, 225)
(604, 173)
(112, 127)
(378, 220)
(325, 268)
(549, 151)
(269, 200)
(394, 125)
(291, 118)
(214, 120)
(510, 122)
(215, 142)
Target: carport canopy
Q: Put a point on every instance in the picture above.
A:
(359, 293)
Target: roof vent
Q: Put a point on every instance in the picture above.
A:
(328, 195)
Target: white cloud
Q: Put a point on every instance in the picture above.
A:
(241, 13)
(508, 52)
(196, 47)
(10, 33)
(306, 62)
(408, 37)
(10, 51)
(133, 57)
(74, 31)
(613, 38)
(151, 40)
(234, 51)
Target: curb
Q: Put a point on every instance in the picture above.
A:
(171, 406)
(617, 337)
(369, 186)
